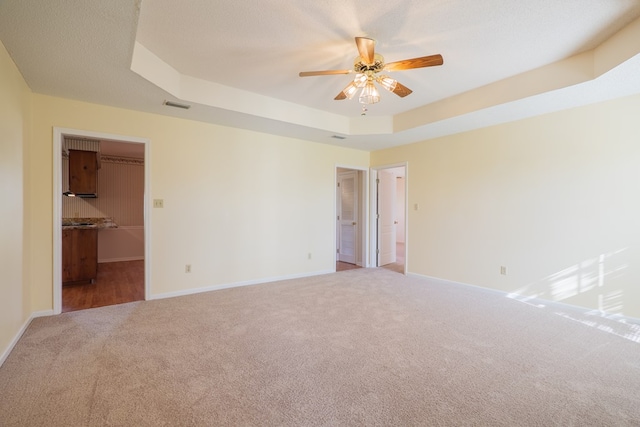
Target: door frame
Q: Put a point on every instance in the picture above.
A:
(373, 205)
(363, 211)
(58, 136)
(356, 219)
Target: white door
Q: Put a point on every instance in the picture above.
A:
(386, 217)
(347, 216)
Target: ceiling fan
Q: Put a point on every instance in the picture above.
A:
(367, 67)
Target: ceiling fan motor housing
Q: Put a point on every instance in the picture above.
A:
(360, 66)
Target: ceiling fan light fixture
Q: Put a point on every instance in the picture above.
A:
(350, 90)
(387, 82)
(360, 80)
(369, 94)
(367, 65)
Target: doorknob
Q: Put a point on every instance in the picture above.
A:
(395, 222)
(353, 223)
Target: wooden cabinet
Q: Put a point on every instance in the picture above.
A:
(79, 254)
(83, 173)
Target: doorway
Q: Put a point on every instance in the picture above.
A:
(389, 189)
(122, 249)
(350, 218)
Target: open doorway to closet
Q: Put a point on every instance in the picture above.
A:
(389, 212)
(350, 218)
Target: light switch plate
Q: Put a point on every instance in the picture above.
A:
(158, 203)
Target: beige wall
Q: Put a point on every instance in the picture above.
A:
(239, 206)
(555, 199)
(15, 101)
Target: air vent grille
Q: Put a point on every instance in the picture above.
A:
(177, 105)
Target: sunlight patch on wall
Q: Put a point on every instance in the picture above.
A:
(592, 277)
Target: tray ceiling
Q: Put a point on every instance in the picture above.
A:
(237, 63)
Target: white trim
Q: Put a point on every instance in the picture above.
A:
(373, 239)
(18, 335)
(58, 135)
(237, 284)
(451, 282)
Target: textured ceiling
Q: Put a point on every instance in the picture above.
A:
(237, 62)
(262, 48)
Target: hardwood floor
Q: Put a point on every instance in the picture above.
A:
(117, 283)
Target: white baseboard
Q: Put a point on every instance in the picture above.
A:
(236, 285)
(131, 258)
(446, 281)
(24, 327)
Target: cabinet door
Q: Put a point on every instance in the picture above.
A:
(83, 173)
(67, 256)
(87, 253)
(79, 254)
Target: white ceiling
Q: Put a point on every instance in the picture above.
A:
(237, 62)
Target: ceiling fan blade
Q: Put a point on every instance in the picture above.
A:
(366, 49)
(324, 73)
(350, 89)
(423, 61)
(401, 90)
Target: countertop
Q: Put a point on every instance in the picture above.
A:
(87, 223)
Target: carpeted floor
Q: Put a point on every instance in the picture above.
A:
(360, 347)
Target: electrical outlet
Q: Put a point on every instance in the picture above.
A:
(187, 268)
(503, 270)
(158, 203)
(309, 255)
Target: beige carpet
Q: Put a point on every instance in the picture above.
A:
(361, 347)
